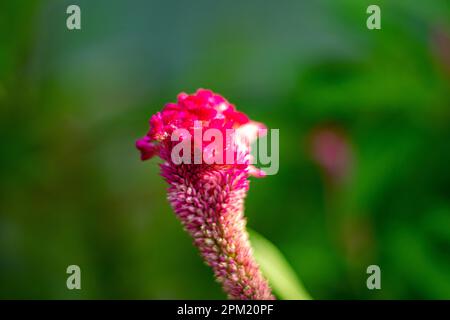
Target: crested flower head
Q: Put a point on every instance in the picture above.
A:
(203, 110)
(208, 197)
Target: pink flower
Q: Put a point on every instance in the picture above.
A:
(333, 152)
(209, 198)
(441, 47)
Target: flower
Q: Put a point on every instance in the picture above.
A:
(208, 198)
(203, 110)
(440, 40)
(332, 151)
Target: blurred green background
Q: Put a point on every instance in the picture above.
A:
(364, 119)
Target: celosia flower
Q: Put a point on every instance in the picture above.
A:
(208, 198)
(333, 152)
(441, 47)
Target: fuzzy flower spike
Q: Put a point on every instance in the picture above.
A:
(207, 191)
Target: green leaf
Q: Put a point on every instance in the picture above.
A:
(277, 270)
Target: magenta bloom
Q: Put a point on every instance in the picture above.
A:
(332, 151)
(208, 198)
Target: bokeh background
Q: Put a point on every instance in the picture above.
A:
(364, 119)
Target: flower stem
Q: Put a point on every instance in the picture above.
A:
(210, 204)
